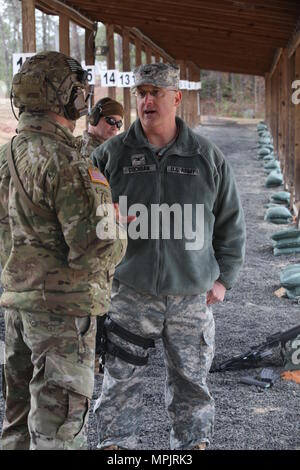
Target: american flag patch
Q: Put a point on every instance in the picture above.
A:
(97, 177)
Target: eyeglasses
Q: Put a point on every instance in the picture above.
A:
(112, 122)
(155, 93)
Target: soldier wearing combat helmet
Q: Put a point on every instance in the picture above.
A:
(55, 264)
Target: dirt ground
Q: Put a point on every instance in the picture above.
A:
(246, 417)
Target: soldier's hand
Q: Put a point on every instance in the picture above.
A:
(216, 294)
(121, 219)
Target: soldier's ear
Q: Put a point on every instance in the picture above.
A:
(178, 98)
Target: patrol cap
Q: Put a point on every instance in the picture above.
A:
(157, 74)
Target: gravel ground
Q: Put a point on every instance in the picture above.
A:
(246, 417)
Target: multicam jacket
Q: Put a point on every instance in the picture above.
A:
(58, 266)
(87, 143)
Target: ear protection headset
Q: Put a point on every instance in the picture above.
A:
(95, 115)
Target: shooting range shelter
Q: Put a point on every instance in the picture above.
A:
(256, 37)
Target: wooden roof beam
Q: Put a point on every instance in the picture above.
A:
(276, 59)
(295, 41)
(146, 41)
(56, 7)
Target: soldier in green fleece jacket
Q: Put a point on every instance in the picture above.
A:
(185, 248)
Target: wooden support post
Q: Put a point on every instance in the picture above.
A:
(284, 98)
(297, 132)
(194, 77)
(110, 56)
(64, 34)
(268, 99)
(89, 47)
(126, 68)
(28, 25)
(157, 57)
(138, 52)
(148, 55)
(90, 52)
(183, 106)
(290, 161)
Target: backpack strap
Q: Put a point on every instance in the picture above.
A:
(38, 210)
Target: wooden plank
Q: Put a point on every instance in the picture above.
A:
(183, 109)
(56, 7)
(146, 40)
(297, 132)
(110, 56)
(64, 34)
(290, 161)
(28, 25)
(276, 59)
(268, 99)
(194, 76)
(126, 68)
(284, 103)
(138, 51)
(89, 39)
(148, 54)
(294, 43)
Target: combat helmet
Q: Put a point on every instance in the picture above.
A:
(51, 81)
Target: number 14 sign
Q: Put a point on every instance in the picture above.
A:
(114, 78)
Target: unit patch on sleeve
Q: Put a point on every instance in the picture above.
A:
(97, 177)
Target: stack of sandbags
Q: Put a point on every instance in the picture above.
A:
(278, 215)
(290, 280)
(286, 242)
(265, 141)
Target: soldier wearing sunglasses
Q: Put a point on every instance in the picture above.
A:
(105, 120)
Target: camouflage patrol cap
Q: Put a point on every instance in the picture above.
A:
(50, 81)
(157, 74)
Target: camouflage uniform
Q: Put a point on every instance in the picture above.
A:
(87, 143)
(54, 278)
(162, 285)
(188, 341)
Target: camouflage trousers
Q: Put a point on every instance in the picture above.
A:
(48, 380)
(186, 327)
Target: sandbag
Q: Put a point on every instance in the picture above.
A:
(290, 279)
(289, 233)
(281, 197)
(272, 165)
(275, 178)
(264, 151)
(287, 243)
(285, 251)
(278, 213)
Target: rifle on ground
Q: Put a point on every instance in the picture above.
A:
(256, 354)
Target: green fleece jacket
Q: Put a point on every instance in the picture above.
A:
(193, 171)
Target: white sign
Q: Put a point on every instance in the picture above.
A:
(91, 74)
(125, 79)
(109, 78)
(183, 84)
(19, 59)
